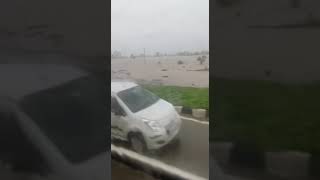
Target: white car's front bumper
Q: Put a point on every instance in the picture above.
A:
(164, 139)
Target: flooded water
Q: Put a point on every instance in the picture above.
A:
(163, 70)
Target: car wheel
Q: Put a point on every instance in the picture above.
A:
(137, 143)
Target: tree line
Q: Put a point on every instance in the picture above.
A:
(118, 54)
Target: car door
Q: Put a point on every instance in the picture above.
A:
(123, 124)
(115, 129)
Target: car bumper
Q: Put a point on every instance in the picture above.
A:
(154, 143)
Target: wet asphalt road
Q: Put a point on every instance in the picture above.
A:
(190, 153)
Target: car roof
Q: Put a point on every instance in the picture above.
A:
(121, 85)
(19, 80)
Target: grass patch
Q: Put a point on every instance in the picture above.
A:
(182, 96)
(271, 115)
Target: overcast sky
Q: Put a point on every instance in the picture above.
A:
(159, 25)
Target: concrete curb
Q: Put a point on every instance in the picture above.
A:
(178, 109)
(285, 164)
(201, 114)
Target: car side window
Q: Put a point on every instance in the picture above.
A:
(116, 108)
(113, 104)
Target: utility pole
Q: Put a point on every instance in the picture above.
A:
(144, 54)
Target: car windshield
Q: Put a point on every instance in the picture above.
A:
(137, 98)
(72, 112)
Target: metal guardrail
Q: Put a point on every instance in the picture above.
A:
(151, 166)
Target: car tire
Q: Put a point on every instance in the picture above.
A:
(138, 143)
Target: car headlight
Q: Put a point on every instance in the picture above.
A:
(154, 125)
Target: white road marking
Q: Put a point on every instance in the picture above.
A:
(194, 120)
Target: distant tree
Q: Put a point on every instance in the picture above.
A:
(157, 54)
(204, 58)
(132, 56)
(205, 52)
(201, 59)
(184, 53)
(116, 54)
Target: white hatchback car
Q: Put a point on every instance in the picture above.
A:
(143, 119)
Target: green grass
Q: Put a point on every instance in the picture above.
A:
(271, 115)
(183, 96)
